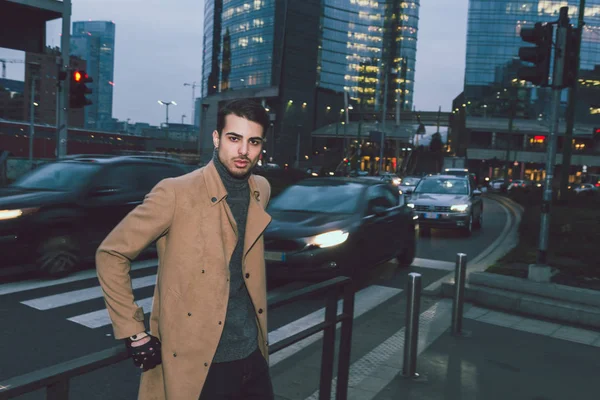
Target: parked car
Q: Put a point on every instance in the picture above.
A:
(324, 227)
(586, 189)
(446, 201)
(55, 216)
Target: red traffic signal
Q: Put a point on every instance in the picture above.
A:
(78, 89)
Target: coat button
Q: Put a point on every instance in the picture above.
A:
(206, 364)
(189, 314)
(260, 310)
(247, 275)
(220, 322)
(214, 199)
(174, 354)
(202, 271)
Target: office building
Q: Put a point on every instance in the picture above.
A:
(94, 41)
(300, 58)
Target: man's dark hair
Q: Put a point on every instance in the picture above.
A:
(244, 108)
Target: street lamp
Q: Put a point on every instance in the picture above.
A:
(167, 103)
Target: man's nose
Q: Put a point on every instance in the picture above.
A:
(243, 150)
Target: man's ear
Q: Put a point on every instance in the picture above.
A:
(216, 138)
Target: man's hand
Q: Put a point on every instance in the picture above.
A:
(145, 352)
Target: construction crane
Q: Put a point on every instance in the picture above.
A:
(4, 61)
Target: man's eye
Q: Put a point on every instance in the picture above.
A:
(233, 138)
(255, 142)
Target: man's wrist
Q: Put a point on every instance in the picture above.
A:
(139, 336)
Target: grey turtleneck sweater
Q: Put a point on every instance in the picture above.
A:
(239, 338)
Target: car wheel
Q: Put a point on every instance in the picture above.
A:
(58, 256)
(468, 229)
(406, 258)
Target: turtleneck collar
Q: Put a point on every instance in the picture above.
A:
(229, 181)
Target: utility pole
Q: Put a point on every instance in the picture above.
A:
(568, 140)
(65, 49)
(383, 119)
(193, 114)
(541, 271)
(32, 76)
(511, 117)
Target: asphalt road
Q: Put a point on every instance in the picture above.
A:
(49, 322)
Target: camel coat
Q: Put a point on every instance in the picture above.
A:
(196, 234)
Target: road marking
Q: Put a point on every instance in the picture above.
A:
(390, 353)
(100, 318)
(16, 287)
(489, 255)
(76, 296)
(433, 264)
(365, 300)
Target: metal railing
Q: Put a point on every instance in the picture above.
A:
(56, 379)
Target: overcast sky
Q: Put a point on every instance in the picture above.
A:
(159, 48)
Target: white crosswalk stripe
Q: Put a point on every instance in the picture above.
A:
(77, 296)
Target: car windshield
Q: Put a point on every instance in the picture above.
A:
(334, 198)
(443, 186)
(410, 181)
(60, 176)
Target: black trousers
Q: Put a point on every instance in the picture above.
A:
(246, 379)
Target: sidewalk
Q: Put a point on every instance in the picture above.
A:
(505, 357)
(497, 362)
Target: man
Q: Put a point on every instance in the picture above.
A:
(208, 328)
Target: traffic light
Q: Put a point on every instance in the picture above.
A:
(347, 161)
(78, 89)
(571, 57)
(540, 35)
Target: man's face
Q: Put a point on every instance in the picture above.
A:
(239, 145)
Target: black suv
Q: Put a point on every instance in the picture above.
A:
(55, 216)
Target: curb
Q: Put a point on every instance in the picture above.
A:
(502, 245)
(551, 301)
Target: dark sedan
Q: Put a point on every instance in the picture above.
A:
(324, 227)
(54, 217)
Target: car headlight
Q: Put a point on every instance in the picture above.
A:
(329, 239)
(459, 207)
(12, 214)
(396, 181)
(411, 205)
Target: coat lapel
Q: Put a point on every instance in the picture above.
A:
(217, 192)
(258, 219)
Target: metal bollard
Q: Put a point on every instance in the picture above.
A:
(411, 334)
(459, 293)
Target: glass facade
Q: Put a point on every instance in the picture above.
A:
(360, 39)
(493, 42)
(244, 45)
(94, 41)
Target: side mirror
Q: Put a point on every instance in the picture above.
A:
(378, 210)
(409, 191)
(104, 191)
(476, 192)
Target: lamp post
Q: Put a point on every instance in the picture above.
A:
(167, 104)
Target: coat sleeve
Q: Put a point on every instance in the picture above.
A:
(146, 223)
